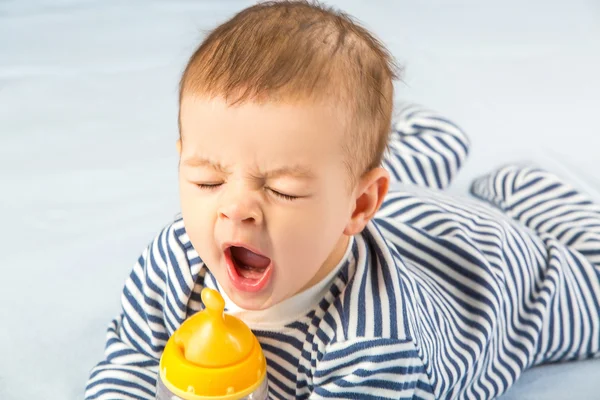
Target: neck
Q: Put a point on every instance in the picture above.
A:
(330, 263)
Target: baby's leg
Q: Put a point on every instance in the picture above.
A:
(568, 223)
(547, 205)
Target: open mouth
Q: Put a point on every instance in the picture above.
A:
(248, 270)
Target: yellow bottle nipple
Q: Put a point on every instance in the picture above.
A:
(212, 355)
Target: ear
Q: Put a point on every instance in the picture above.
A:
(369, 194)
(179, 146)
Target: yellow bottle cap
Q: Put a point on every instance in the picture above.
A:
(212, 355)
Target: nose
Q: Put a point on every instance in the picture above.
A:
(240, 206)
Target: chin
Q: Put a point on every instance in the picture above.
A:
(251, 301)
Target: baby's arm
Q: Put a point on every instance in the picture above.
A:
(371, 369)
(154, 302)
(425, 148)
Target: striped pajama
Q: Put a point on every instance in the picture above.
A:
(439, 298)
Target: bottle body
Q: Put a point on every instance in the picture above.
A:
(260, 393)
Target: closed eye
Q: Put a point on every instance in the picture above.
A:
(208, 186)
(213, 186)
(283, 195)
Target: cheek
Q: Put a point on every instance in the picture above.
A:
(307, 238)
(198, 215)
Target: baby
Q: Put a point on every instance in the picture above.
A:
(354, 292)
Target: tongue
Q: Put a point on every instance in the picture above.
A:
(250, 265)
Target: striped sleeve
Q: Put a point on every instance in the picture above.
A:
(371, 369)
(425, 149)
(154, 303)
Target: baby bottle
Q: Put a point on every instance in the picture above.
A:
(212, 356)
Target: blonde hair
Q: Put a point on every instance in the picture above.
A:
(299, 50)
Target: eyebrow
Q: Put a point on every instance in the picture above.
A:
(297, 171)
(203, 162)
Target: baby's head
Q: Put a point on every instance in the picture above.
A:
(284, 117)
